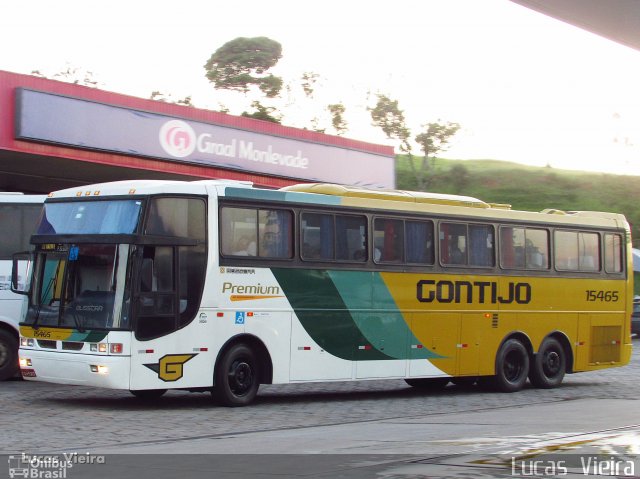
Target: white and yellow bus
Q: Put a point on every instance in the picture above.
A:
(218, 286)
(18, 217)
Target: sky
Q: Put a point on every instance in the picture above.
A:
(524, 87)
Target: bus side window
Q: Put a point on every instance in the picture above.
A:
(613, 253)
(275, 238)
(419, 240)
(511, 245)
(350, 241)
(238, 231)
(317, 232)
(23, 219)
(589, 251)
(388, 240)
(481, 245)
(453, 244)
(577, 251)
(537, 248)
(256, 232)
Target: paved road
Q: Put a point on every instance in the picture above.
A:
(393, 425)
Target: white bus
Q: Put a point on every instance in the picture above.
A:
(18, 217)
(218, 286)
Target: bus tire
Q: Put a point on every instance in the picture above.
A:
(432, 384)
(148, 393)
(237, 377)
(549, 365)
(8, 355)
(512, 367)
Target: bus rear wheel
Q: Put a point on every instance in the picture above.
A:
(8, 355)
(512, 367)
(549, 365)
(237, 377)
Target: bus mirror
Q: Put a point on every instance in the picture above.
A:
(20, 272)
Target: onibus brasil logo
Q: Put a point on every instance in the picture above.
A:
(177, 138)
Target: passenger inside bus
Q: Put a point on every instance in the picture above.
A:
(244, 247)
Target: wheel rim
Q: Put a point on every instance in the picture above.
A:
(240, 378)
(552, 363)
(513, 366)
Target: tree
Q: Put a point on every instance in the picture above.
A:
(262, 113)
(159, 96)
(435, 139)
(72, 74)
(242, 63)
(387, 116)
(337, 117)
(309, 80)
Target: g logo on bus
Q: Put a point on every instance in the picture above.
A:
(170, 367)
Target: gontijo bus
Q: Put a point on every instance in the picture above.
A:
(218, 286)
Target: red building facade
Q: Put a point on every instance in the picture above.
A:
(56, 135)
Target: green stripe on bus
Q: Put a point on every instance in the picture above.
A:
(290, 196)
(377, 315)
(324, 315)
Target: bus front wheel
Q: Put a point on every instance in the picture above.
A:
(549, 365)
(8, 355)
(512, 366)
(237, 377)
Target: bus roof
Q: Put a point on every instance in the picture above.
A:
(393, 195)
(348, 196)
(427, 198)
(146, 187)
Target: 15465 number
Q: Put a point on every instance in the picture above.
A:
(605, 296)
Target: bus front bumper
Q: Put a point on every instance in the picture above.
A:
(78, 369)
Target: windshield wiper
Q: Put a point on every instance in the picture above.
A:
(39, 308)
(76, 319)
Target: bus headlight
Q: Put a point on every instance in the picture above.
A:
(98, 368)
(29, 342)
(25, 362)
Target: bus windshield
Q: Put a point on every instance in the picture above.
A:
(80, 287)
(90, 217)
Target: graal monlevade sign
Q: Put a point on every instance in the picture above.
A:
(86, 124)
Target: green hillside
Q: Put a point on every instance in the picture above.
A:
(532, 188)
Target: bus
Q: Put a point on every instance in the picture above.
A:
(219, 286)
(18, 217)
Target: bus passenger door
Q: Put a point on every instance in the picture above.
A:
(170, 348)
